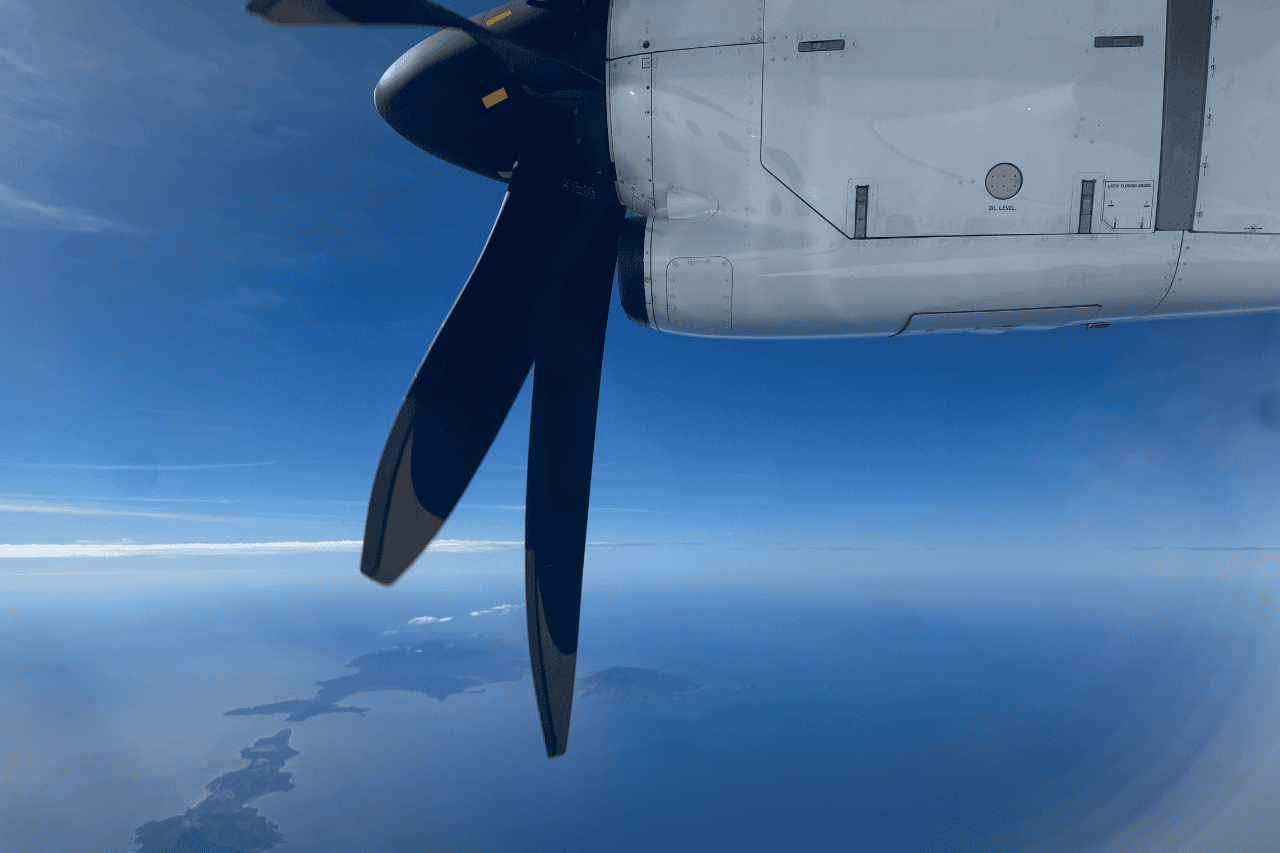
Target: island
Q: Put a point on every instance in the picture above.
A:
(436, 668)
(222, 822)
(642, 685)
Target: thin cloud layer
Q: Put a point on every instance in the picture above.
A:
(18, 210)
(209, 549)
(199, 549)
(501, 608)
(469, 545)
(86, 467)
(1207, 548)
(46, 509)
(623, 509)
(428, 620)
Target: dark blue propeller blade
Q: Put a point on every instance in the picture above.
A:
(504, 320)
(461, 394)
(476, 366)
(566, 390)
(541, 71)
(539, 295)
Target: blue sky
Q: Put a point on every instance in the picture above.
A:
(219, 269)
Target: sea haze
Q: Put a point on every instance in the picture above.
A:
(705, 718)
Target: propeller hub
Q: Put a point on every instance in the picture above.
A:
(460, 100)
(448, 97)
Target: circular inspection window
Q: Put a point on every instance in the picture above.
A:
(1004, 180)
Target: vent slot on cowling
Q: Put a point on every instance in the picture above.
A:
(1086, 207)
(1117, 41)
(860, 213)
(813, 46)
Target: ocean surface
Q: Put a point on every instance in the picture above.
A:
(225, 704)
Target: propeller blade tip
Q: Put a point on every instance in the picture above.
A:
(374, 574)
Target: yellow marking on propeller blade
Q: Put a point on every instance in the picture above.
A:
(496, 18)
(494, 99)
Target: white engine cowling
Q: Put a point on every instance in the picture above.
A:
(824, 168)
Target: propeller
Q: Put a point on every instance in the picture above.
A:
(538, 298)
(539, 70)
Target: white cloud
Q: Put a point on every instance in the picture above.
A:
(86, 467)
(199, 549)
(60, 574)
(46, 509)
(132, 498)
(624, 509)
(132, 549)
(147, 410)
(501, 608)
(469, 545)
(18, 62)
(427, 620)
(17, 209)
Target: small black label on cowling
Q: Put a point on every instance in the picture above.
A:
(1117, 41)
(813, 46)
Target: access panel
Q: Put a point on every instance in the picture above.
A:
(909, 118)
(1240, 161)
(699, 296)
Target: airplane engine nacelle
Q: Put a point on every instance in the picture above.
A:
(808, 167)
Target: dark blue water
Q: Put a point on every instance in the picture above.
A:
(815, 726)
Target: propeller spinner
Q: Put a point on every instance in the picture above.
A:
(480, 95)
